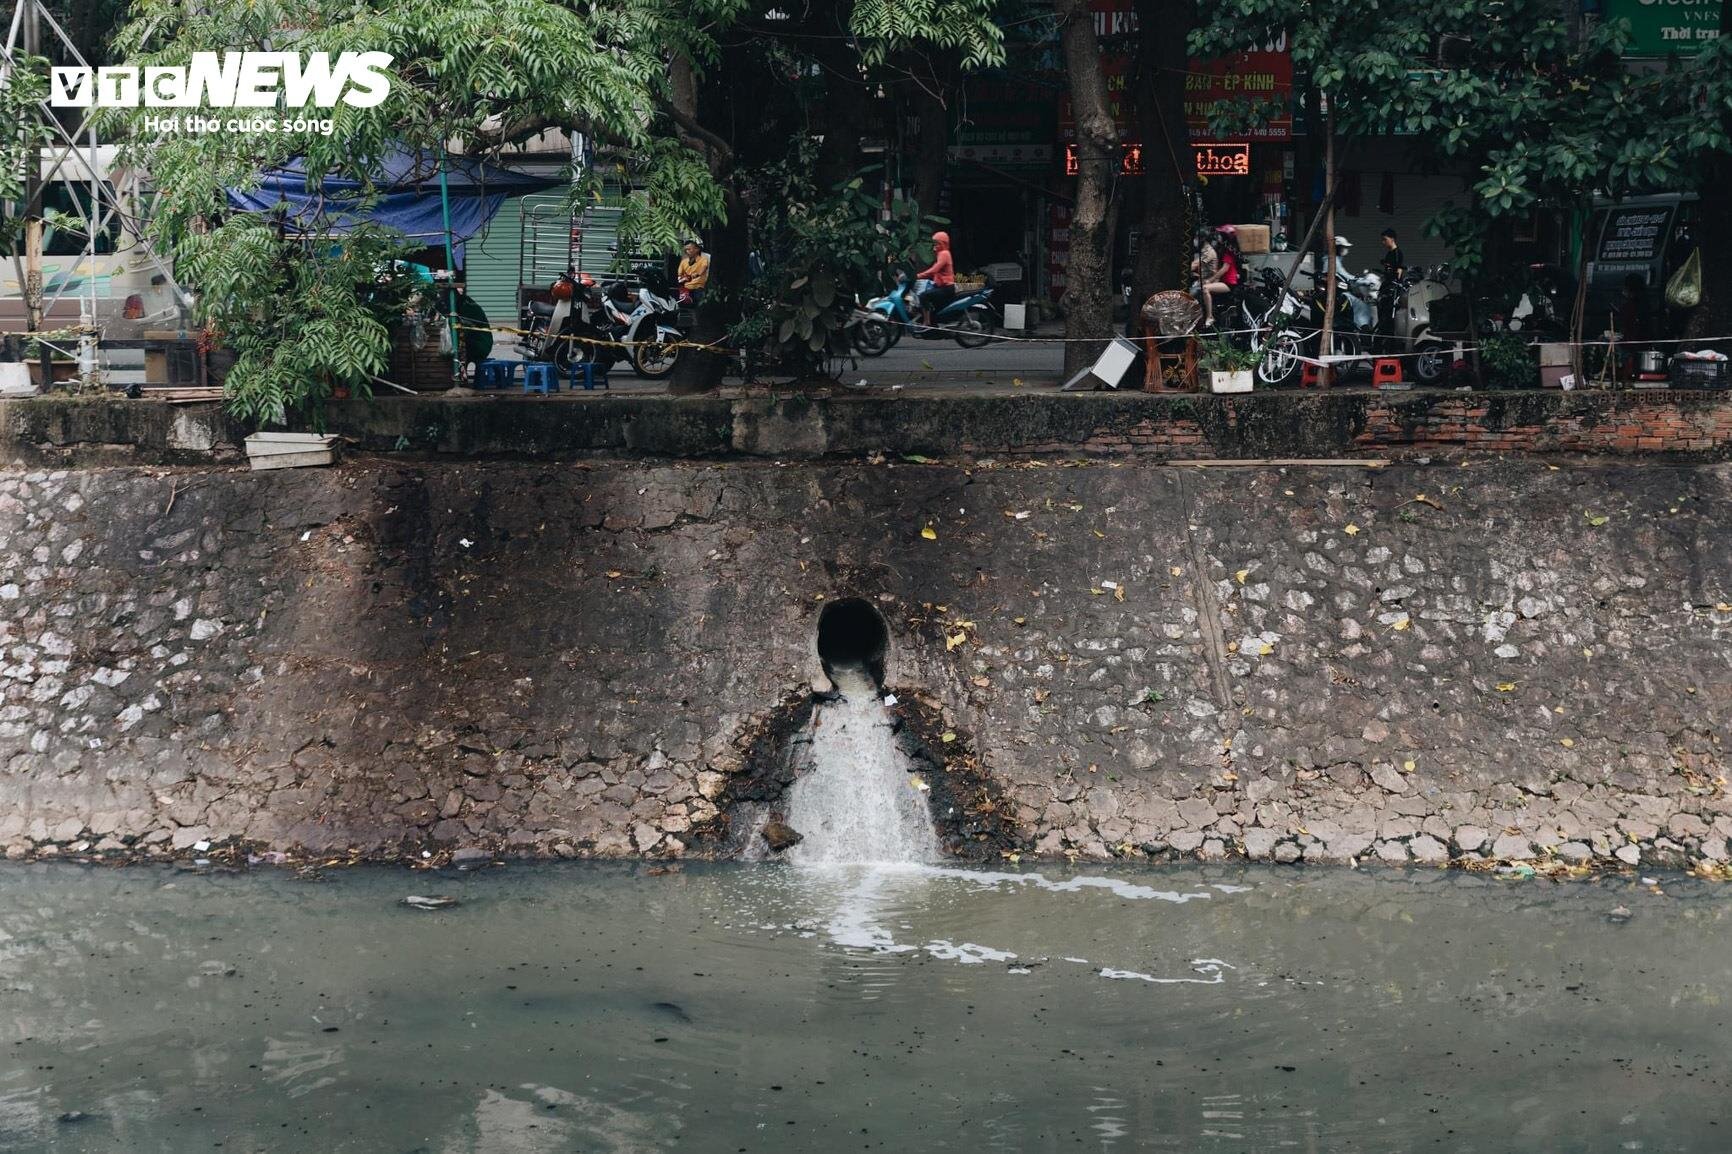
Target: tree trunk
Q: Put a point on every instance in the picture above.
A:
(932, 149)
(696, 108)
(1713, 317)
(1163, 248)
(1088, 298)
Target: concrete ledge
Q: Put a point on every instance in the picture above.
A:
(1683, 425)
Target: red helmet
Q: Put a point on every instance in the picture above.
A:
(561, 290)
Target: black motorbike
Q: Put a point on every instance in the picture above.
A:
(571, 326)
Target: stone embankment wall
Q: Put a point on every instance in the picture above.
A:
(1469, 661)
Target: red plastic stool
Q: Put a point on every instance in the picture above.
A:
(1311, 377)
(1385, 371)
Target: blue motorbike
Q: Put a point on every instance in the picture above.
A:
(970, 319)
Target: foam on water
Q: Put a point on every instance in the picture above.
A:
(858, 804)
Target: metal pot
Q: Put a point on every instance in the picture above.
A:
(1651, 361)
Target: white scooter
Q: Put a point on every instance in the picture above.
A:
(644, 322)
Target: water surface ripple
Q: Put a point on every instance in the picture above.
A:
(771, 1007)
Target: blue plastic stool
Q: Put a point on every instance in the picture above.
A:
(495, 374)
(590, 374)
(540, 377)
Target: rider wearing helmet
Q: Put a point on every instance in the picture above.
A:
(942, 274)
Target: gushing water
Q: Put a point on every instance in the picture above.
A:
(858, 803)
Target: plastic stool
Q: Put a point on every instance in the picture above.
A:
(540, 377)
(495, 374)
(1311, 377)
(591, 375)
(1385, 371)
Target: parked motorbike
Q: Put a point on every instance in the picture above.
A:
(1280, 321)
(644, 322)
(573, 328)
(1411, 327)
(970, 319)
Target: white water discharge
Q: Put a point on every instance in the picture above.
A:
(858, 804)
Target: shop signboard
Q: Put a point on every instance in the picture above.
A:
(1223, 159)
(1667, 27)
(1248, 79)
(1633, 235)
(1007, 123)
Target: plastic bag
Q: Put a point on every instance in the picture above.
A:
(445, 345)
(1684, 289)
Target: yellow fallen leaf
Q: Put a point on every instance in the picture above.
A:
(1099, 534)
(1407, 766)
(918, 782)
(1242, 574)
(929, 533)
(1177, 570)
(1505, 686)
(1265, 649)
(1020, 620)
(1722, 607)
(947, 737)
(1402, 624)
(1119, 593)
(1595, 519)
(954, 640)
(1016, 382)
(1096, 590)
(982, 682)
(1351, 530)
(1232, 647)
(615, 573)
(1568, 743)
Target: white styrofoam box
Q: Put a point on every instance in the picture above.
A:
(1114, 360)
(1239, 382)
(289, 450)
(1016, 317)
(15, 381)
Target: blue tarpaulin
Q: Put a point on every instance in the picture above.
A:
(406, 196)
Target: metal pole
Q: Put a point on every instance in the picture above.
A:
(450, 272)
(33, 314)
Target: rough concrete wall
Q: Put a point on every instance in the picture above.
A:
(569, 659)
(945, 422)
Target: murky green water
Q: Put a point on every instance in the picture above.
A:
(601, 1008)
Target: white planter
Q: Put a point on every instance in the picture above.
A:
(1239, 382)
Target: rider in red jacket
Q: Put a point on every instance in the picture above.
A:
(942, 274)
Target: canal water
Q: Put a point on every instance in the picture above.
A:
(783, 1008)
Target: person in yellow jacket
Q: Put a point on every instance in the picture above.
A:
(694, 272)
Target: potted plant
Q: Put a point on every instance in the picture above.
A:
(1229, 366)
(63, 368)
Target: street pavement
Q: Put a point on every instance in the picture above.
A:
(944, 362)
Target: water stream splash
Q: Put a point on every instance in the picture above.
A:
(858, 804)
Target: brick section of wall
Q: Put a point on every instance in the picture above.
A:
(1652, 423)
